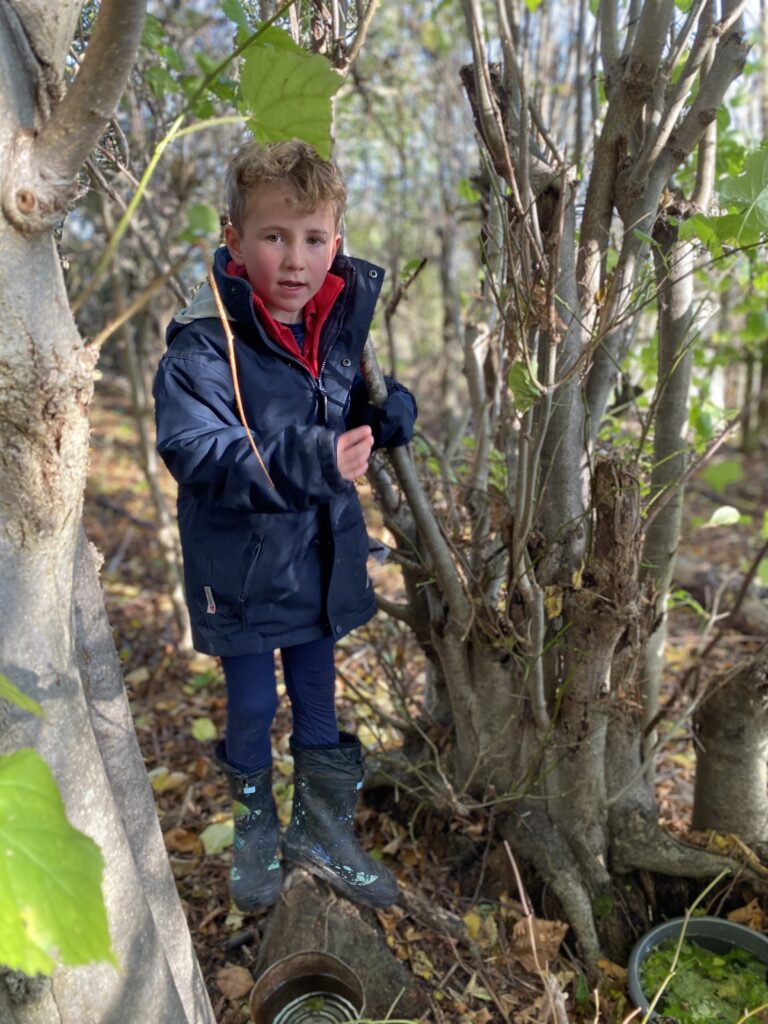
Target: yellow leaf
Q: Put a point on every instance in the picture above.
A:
(553, 602)
(421, 965)
(162, 779)
(474, 924)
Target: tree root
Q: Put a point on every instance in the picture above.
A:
(532, 834)
(643, 845)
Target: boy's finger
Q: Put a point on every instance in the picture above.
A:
(357, 435)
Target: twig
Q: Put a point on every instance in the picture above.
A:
(138, 303)
(402, 287)
(233, 366)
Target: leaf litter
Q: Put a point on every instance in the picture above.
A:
(178, 704)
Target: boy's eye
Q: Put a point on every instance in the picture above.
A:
(272, 237)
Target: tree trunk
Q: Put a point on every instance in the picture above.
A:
(55, 643)
(732, 753)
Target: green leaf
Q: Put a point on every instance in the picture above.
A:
(762, 572)
(522, 387)
(468, 192)
(726, 515)
(749, 190)
(719, 475)
(217, 837)
(203, 729)
(12, 693)
(704, 229)
(233, 9)
(287, 92)
(160, 81)
(644, 237)
(764, 530)
(756, 328)
(582, 995)
(153, 33)
(533, 5)
(50, 875)
(203, 219)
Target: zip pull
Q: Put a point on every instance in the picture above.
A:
(322, 401)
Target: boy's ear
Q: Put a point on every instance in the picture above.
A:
(232, 239)
(335, 248)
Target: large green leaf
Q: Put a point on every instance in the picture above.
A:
(749, 190)
(12, 693)
(50, 875)
(286, 92)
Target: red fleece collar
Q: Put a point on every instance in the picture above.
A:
(316, 312)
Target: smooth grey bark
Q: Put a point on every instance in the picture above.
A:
(732, 753)
(674, 276)
(46, 375)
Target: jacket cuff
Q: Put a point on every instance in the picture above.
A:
(326, 455)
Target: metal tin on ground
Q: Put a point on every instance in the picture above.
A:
(307, 988)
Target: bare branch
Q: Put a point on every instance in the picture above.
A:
(445, 570)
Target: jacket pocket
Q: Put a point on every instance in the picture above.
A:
(251, 559)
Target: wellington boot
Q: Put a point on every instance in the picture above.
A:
(255, 878)
(320, 837)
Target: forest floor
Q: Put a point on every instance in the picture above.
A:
(178, 704)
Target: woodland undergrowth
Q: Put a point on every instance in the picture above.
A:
(495, 964)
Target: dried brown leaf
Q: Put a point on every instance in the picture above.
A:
(750, 915)
(547, 937)
(179, 840)
(234, 982)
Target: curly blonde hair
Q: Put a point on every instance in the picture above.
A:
(292, 165)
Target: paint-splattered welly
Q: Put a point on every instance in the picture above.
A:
(320, 836)
(255, 878)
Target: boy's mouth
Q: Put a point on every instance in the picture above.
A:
(291, 285)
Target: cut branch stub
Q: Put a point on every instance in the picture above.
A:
(34, 198)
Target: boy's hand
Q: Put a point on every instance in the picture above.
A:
(353, 450)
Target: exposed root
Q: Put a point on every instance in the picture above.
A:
(642, 845)
(531, 834)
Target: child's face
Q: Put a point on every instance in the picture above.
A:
(285, 250)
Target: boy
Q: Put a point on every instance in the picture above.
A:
(274, 545)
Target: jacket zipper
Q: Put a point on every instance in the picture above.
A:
(321, 394)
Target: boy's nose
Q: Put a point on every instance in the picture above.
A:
(292, 257)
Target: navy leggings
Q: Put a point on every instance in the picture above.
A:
(310, 678)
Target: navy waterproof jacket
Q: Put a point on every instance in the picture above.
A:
(271, 566)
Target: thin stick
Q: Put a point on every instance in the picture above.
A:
(233, 366)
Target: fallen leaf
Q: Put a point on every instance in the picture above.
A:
(543, 944)
(203, 729)
(421, 965)
(138, 676)
(179, 840)
(474, 923)
(162, 779)
(218, 837)
(612, 970)
(750, 915)
(234, 982)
